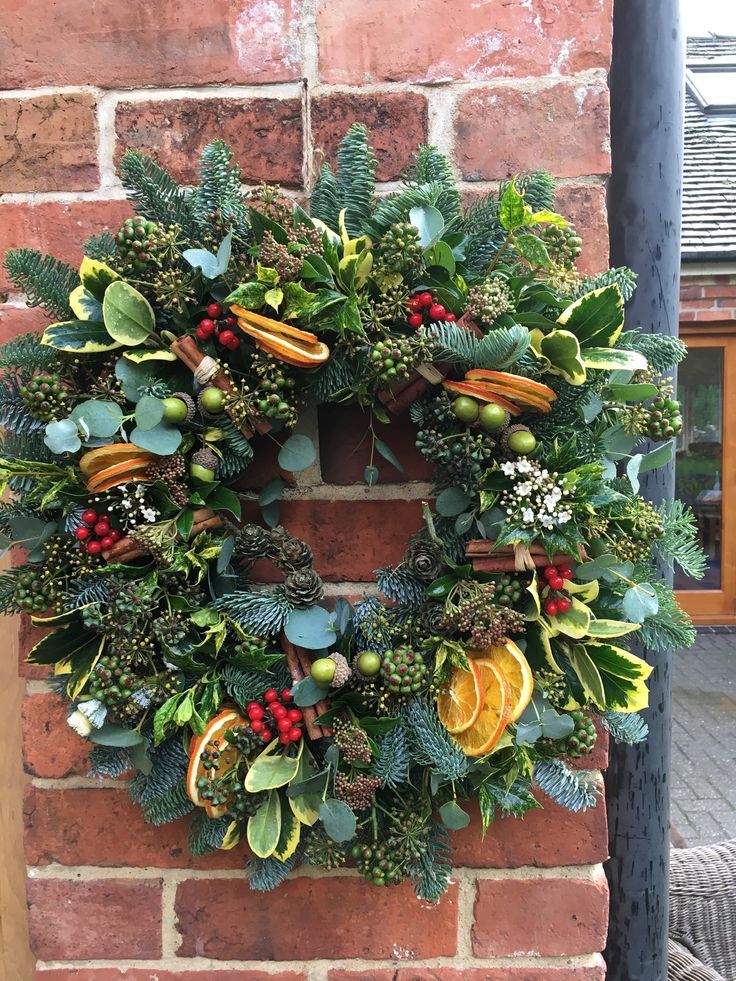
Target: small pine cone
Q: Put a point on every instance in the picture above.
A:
(189, 402)
(508, 431)
(433, 618)
(252, 542)
(423, 559)
(279, 536)
(294, 554)
(342, 670)
(303, 587)
(207, 459)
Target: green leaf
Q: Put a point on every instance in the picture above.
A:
(149, 412)
(250, 296)
(429, 223)
(128, 316)
(597, 318)
(533, 249)
(297, 299)
(264, 828)
(573, 622)
(610, 628)
(271, 770)
(109, 735)
(185, 523)
(562, 350)
(163, 439)
(453, 816)
(545, 217)
(274, 297)
(84, 305)
(61, 645)
(624, 677)
(96, 277)
(631, 393)
(223, 499)
(291, 831)
(588, 674)
(297, 453)
(452, 501)
(165, 716)
(607, 359)
(311, 628)
(657, 458)
(388, 454)
(140, 357)
(79, 337)
(440, 254)
(640, 601)
(513, 213)
(338, 820)
(101, 419)
(348, 317)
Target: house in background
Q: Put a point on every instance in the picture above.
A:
(706, 455)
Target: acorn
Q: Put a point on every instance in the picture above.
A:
(518, 439)
(203, 465)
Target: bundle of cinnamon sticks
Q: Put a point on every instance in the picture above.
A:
(299, 662)
(515, 558)
(126, 549)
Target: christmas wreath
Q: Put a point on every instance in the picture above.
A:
(323, 731)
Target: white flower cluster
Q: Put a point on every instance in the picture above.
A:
(536, 499)
(134, 505)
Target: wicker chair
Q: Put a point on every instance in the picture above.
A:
(702, 945)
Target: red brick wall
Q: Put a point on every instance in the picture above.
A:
(707, 299)
(500, 86)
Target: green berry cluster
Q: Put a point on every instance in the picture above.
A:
(488, 299)
(403, 670)
(563, 244)
(392, 361)
(636, 531)
(134, 241)
(322, 850)
(509, 591)
(275, 391)
(582, 739)
(46, 396)
(386, 859)
(663, 419)
(112, 684)
(34, 592)
(400, 248)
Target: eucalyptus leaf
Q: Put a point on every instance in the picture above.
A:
(163, 439)
(337, 819)
(61, 437)
(388, 454)
(452, 501)
(453, 816)
(109, 735)
(312, 628)
(149, 412)
(297, 453)
(640, 601)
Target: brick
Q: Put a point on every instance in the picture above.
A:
(585, 206)
(691, 292)
(397, 123)
(49, 143)
(155, 974)
(719, 290)
(710, 316)
(50, 747)
(562, 128)
(110, 919)
(137, 44)
(102, 826)
(541, 917)
(441, 40)
(57, 229)
(218, 918)
(349, 538)
(545, 837)
(473, 974)
(345, 449)
(705, 303)
(265, 135)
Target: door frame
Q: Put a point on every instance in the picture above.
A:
(718, 606)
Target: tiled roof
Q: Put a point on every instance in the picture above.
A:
(709, 179)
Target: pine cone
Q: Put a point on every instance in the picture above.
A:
(342, 670)
(433, 618)
(294, 554)
(423, 559)
(303, 588)
(252, 542)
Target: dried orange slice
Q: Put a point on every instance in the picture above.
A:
(106, 456)
(119, 473)
(284, 341)
(461, 700)
(485, 732)
(213, 735)
(518, 674)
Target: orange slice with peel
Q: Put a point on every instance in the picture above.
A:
(106, 456)
(214, 738)
(461, 700)
(477, 391)
(283, 341)
(119, 473)
(511, 382)
(291, 354)
(516, 668)
(484, 733)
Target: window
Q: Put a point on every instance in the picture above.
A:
(714, 86)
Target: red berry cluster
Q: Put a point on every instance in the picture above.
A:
(220, 325)
(424, 309)
(554, 602)
(95, 533)
(273, 715)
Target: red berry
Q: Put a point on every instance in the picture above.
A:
(102, 528)
(286, 695)
(257, 712)
(214, 310)
(226, 336)
(234, 344)
(566, 573)
(437, 312)
(257, 726)
(550, 607)
(207, 325)
(278, 711)
(557, 583)
(116, 534)
(201, 334)
(563, 605)
(90, 517)
(415, 320)
(252, 705)
(551, 572)
(425, 299)
(414, 305)
(295, 735)
(283, 725)
(231, 321)
(107, 542)
(82, 532)
(284, 738)
(94, 548)
(450, 318)
(267, 735)
(271, 695)
(294, 715)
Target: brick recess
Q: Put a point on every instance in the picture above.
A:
(707, 299)
(532, 95)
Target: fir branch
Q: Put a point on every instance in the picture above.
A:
(169, 766)
(259, 614)
(572, 790)
(101, 247)
(680, 542)
(46, 282)
(356, 178)
(485, 233)
(621, 276)
(326, 201)
(625, 727)
(109, 762)
(173, 804)
(220, 187)
(206, 834)
(430, 743)
(662, 351)
(431, 869)
(27, 352)
(433, 167)
(154, 193)
(538, 188)
(513, 801)
(400, 585)
(265, 874)
(670, 628)
(496, 350)
(393, 759)
(396, 207)
(86, 590)
(337, 374)
(243, 686)
(28, 446)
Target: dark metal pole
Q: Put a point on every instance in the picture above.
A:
(647, 96)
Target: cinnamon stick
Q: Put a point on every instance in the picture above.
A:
(127, 549)
(295, 659)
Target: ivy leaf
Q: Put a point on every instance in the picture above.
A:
(512, 212)
(338, 820)
(532, 249)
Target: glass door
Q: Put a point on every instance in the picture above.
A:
(705, 475)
